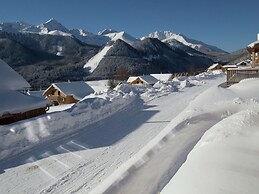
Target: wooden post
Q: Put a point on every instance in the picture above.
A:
(253, 59)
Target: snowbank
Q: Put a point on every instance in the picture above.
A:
(225, 160)
(22, 135)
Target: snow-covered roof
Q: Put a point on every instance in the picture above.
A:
(131, 79)
(38, 94)
(230, 66)
(241, 63)
(10, 79)
(145, 78)
(15, 102)
(162, 76)
(77, 89)
(214, 66)
(99, 85)
(252, 45)
(149, 79)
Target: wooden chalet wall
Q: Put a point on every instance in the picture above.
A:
(11, 118)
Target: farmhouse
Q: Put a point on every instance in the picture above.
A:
(215, 66)
(163, 76)
(253, 50)
(235, 75)
(67, 92)
(16, 106)
(15, 103)
(145, 79)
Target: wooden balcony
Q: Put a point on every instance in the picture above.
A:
(56, 100)
(236, 75)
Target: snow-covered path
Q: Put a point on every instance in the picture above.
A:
(161, 163)
(78, 163)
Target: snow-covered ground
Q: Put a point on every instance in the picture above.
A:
(87, 147)
(225, 160)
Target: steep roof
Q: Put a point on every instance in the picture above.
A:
(15, 102)
(131, 79)
(145, 78)
(162, 76)
(214, 66)
(10, 79)
(78, 89)
(149, 79)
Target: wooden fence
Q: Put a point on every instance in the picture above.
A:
(236, 75)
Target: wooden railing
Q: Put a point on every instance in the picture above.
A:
(236, 75)
(58, 99)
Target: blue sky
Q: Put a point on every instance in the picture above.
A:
(227, 24)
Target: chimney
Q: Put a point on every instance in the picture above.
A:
(258, 36)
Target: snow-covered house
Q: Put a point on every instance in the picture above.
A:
(14, 104)
(239, 73)
(215, 66)
(226, 67)
(163, 76)
(253, 50)
(242, 64)
(145, 79)
(67, 92)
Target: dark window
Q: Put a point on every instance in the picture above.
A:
(59, 93)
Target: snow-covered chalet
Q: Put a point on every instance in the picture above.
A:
(14, 102)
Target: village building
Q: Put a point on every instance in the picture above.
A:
(67, 92)
(163, 76)
(145, 79)
(226, 67)
(234, 75)
(215, 66)
(253, 50)
(15, 104)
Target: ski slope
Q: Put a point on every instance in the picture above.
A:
(80, 162)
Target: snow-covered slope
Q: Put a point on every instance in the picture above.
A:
(10, 79)
(95, 60)
(167, 36)
(225, 160)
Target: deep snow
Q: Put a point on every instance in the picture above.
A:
(225, 160)
(69, 152)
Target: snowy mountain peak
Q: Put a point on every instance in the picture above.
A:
(161, 35)
(52, 25)
(168, 36)
(106, 31)
(122, 36)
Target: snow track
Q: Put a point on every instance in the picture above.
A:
(160, 163)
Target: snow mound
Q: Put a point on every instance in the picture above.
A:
(20, 136)
(229, 149)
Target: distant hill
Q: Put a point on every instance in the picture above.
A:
(144, 57)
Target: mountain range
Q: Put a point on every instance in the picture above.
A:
(49, 52)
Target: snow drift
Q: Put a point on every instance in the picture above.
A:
(22, 135)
